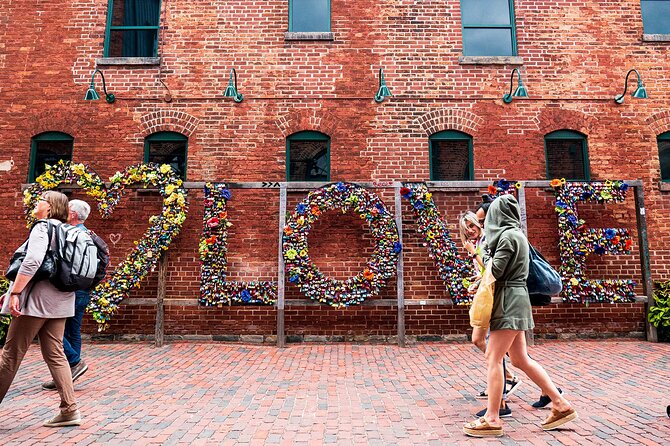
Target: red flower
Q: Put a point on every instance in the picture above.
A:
(629, 242)
(492, 189)
(211, 240)
(213, 222)
(368, 275)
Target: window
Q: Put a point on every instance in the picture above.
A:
(656, 16)
(308, 157)
(48, 148)
(451, 156)
(167, 148)
(567, 155)
(664, 155)
(309, 16)
(488, 27)
(132, 28)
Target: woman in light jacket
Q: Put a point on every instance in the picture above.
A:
(40, 309)
(510, 317)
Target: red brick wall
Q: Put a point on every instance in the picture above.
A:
(48, 50)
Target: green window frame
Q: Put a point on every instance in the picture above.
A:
(484, 24)
(139, 31)
(309, 16)
(177, 157)
(312, 171)
(43, 150)
(436, 155)
(664, 155)
(577, 149)
(655, 14)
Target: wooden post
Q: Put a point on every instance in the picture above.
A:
(647, 284)
(400, 279)
(160, 300)
(281, 335)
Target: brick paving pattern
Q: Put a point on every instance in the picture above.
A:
(188, 393)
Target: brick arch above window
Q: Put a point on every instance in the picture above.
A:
(168, 121)
(450, 119)
(311, 119)
(659, 122)
(54, 121)
(553, 119)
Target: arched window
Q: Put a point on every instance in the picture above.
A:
(308, 157)
(567, 155)
(664, 155)
(167, 148)
(48, 148)
(450, 155)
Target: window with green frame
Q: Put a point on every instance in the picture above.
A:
(167, 148)
(664, 155)
(309, 16)
(567, 155)
(132, 28)
(308, 157)
(655, 16)
(488, 27)
(48, 148)
(450, 156)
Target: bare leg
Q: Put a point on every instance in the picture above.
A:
(499, 343)
(519, 354)
(479, 338)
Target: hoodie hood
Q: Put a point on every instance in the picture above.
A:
(503, 215)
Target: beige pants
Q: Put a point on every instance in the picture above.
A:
(21, 333)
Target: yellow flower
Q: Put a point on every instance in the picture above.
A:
(78, 169)
(429, 196)
(165, 168)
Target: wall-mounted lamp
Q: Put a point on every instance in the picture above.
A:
(520, 91)
(92, 95)
(231, 89)
(383, 91)
(640, 92)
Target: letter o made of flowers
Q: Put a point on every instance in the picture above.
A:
(379, 268)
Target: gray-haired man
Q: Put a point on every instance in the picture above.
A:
(79, 211)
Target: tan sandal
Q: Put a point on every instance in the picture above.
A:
(558, 418)
(481, 429)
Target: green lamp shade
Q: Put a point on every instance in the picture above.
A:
(91, 94)
(640, 92)
(382, 93)
(231, 92)
(521, 92)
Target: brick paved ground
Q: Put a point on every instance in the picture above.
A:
(340, 394)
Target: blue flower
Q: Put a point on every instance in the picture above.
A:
(610, 234)
(561, 204)
(419, 205)
(301, 208)
(293, 279)
(572, 219)
(246, 296)
(397, 247)
(380, 207)
(623, 187)
(341, 187)
(599, 250)
(225, 194)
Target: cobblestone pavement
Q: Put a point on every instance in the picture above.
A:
(191, 393)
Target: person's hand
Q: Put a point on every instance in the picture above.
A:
(14, 305)
(469, 247)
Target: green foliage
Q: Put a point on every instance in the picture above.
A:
(659, 314)
(4, 319)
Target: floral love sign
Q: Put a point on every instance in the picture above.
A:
(105, 298)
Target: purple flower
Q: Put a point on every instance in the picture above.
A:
(225, 194)
(397, 247)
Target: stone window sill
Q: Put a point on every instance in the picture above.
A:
(308, 36)
(656, 37)
(664, 186)
(490, 60)
(129, 61)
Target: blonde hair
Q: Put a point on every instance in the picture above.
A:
(463, 228)
(58, 205)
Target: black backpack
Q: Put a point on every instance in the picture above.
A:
(103, 258)
(77, 258)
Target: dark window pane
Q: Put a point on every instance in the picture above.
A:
(50, 152)
(135, 12)
(310, 15)
(664, 156)
(308, 161)
(487, 42)
(172, 153)
(450, 160)
(656, 16)
(565, 159)
(132, 43)
(485, 12)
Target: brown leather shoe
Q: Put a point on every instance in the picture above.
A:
(557, 418)
(481, 428)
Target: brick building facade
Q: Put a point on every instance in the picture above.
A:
(573, 57)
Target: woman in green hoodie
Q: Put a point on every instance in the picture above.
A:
(510, 317)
